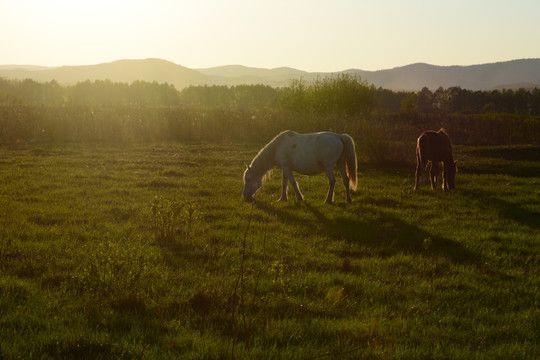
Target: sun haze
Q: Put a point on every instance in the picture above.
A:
(308, 35)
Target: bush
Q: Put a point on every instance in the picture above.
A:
(341, 94)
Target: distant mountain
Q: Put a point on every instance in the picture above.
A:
(510, 74)
(238, 74)
(232, 71)
(474, 77)
(24, 67)
(118, 71)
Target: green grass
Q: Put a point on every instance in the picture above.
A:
(148, 251)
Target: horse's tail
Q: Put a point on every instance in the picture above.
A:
(350, 159)
(421, 151)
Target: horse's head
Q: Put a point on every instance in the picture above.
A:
(450, 173)
(252, 183)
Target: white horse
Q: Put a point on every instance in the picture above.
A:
(307, 154)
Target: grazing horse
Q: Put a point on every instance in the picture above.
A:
(307, 154)
(434, 146)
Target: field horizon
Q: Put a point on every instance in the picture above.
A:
(512, 74)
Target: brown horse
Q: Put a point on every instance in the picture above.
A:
(434, 147)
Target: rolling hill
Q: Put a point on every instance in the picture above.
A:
(126, 71)
(510, 74)
(525, 73)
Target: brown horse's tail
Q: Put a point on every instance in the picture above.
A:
(350, 159)
(421, 149)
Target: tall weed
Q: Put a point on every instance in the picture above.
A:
(172, 218)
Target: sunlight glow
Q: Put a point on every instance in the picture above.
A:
(310, 35)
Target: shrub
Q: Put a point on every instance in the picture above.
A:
(341, 94)
(172, 218)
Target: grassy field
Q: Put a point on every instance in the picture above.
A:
(148, 251)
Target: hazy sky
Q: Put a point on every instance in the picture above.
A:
(311, 35)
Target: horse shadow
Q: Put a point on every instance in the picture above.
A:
(504, 208)
(518, 161)
(378, 234)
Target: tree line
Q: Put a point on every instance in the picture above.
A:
(458, 100)
(340, 94)
(88, 92)
(384, 123)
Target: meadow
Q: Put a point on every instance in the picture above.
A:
(147, 251)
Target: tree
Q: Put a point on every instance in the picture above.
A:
(342, 94)
(425, 100)
(409, 105)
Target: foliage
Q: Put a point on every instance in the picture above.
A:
(341, 94)
(382, 122)
(241, 96)
(99, 92)
(457, 100)
(500, 101)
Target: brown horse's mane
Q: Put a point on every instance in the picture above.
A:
(442, 131)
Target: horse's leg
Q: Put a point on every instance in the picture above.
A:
(284, 181)
(444, 182)
(287, 173)
(433, 174)
(345, 178)
(443, 176)
(418, 169)
(331, 184)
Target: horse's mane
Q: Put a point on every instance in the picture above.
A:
(442, 131)
(264, 160)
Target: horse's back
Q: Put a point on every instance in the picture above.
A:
(434, 146)
(309, 153)
(313, 142)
